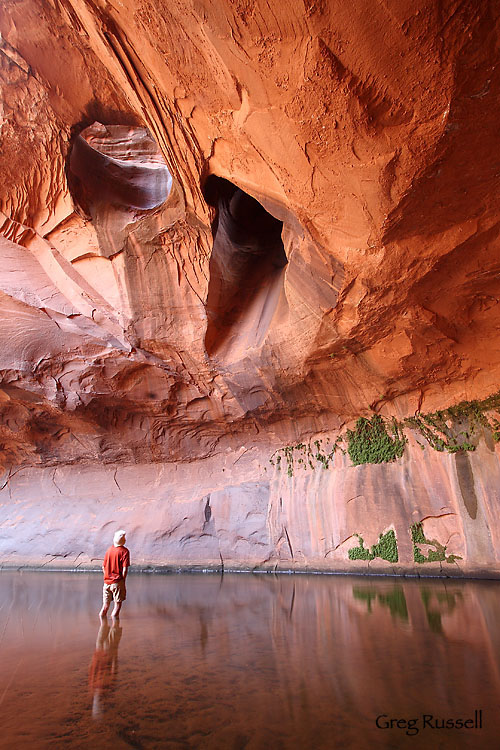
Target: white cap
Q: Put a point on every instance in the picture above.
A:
(119, 538)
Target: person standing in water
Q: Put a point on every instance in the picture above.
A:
(115, 569)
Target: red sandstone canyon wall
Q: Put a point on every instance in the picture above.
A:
(227, 228)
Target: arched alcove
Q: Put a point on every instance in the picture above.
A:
(117, 165)
(246, 268)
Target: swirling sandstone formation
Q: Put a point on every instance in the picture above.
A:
(229, 227)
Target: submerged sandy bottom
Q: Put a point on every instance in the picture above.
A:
(242, 661)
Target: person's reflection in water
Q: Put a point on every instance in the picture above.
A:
(104, 665)
(203, 633)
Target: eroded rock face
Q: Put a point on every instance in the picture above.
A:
(237, 227)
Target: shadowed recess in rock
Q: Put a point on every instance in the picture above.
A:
(118, 165)
(466, 483)
(246, 268)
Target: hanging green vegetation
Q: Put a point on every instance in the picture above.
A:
(360, 552)
(386, 548)
(438, 554)
(370, 442)
(303, 455)
(378, 440)
(456, 428)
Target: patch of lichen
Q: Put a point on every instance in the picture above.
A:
(386, 548)
(370, 442)
(438, 554)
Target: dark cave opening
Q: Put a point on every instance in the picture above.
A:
(246, 268)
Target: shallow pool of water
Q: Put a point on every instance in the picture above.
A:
(249, 661)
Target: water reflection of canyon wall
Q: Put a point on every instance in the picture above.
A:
(228, 229)
(240, 661)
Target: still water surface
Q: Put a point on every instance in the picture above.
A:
(254, 662)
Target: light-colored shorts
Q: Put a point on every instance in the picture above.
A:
(115, 591)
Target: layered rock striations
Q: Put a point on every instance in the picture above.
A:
(230, 228)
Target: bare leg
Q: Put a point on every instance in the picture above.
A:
(116, 611)
(105, 603)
